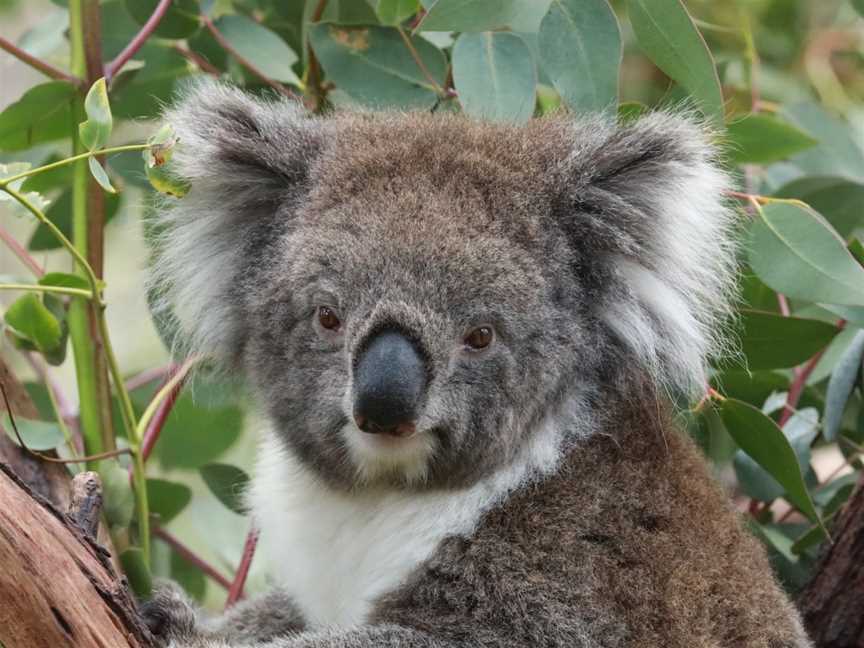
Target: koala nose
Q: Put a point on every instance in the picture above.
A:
(389, 379)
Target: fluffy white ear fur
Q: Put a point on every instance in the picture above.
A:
(244, 159)
(678, 270)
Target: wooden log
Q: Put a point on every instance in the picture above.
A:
(58, 587)
(832, 603)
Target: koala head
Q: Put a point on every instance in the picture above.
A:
(413, 297)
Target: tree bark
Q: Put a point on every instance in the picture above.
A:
(832, 603)
(57, 585)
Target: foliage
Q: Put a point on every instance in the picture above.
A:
(781, 81)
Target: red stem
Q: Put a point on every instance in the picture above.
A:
(151, 434)
(235, 592)
(223, 42)
(138, 41)
(45, 68)
(191, 557)
(22, 254)
(800, 382)
(149, 375)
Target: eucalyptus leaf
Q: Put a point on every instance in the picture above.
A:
(227, 483)
(30, 319)
(580, 52)
(99, 174)
(260, 46)
(840, 386)
(180, 21)
(167, 499)
(96, 130)
(37, 435)
(761, 138)
(668, 36)
(839, 200)
(42, 114)
(495, 76)
(772, 341)
(796, 252)
(765, 443)
(482, 15)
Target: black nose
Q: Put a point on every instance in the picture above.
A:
(389, 379)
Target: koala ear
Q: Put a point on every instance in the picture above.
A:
(650, 197)
(247, 161)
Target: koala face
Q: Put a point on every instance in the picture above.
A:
(415, 297)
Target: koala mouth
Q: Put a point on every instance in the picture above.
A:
(400, 431)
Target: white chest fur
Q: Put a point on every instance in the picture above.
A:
(337, 553)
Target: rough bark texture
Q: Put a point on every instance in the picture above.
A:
(832, 603)
(57, 586)
(51, 481)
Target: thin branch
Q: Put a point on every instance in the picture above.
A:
(190, 556)
(60, 290)
(235, 592)
(174, 382)
(48, 458)
(223, 42)
(5, 182)
(420, 64)
(203, 64)
(19, 251)
(45, 68)
(800, 382)
(149, 375)
(138, 41)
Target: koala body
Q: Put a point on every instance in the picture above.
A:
(460, 334)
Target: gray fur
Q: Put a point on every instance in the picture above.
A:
(602, 257)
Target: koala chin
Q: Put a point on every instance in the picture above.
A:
(462, 336)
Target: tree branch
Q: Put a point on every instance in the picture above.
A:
(223, 42)
(138, 41)
(38, 64)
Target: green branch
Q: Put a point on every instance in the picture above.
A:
(60, 290)
(82, 156)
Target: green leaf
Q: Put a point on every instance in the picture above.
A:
(482, 15)
(260, 46)
(840, 386)
(135, 569)
(839, 200)
(189, 576)
(141, 93)
(43, 114)
(97, 129)
(668, 36)
(761, 139)
(98, 173)
(495, 76)
(837, 154)
(394, 12)
(227, 483)
(64, 280)
(771, 341)
(375, 68)
(30, 319)
(759, 437)
(119, 499)
(793, 250)
(194, 434)
(180, 21)
(167, 498)
(37, 435)
(580, 51)
(859, 6)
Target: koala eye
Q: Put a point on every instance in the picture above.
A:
(479, 338)
(328, 319)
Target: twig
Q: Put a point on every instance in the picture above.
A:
(203, 64)
(235, 592)
(149, 375)
(38, 64)
(19, 251)
(800, 382)
(420, 64)
(138, 41)
(190, 556)
(223, 42)
(176, 379)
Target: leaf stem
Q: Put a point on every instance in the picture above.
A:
(235, 592)
(60, 290)
(19, 251)
(114, 149)
(420, 64)
(38, 64)
(190, 556)
(223, 42)
(138, 40)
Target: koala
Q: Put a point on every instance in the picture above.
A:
(462, 337)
